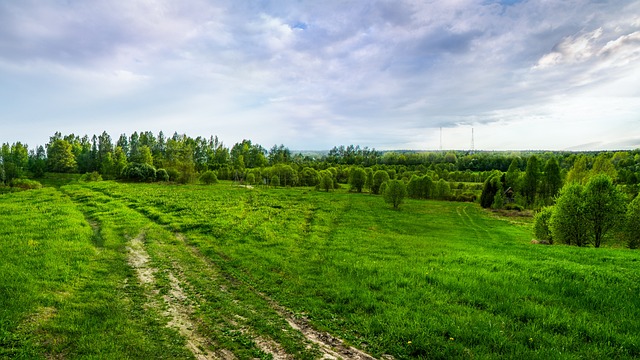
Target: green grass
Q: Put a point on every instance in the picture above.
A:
(432, 280)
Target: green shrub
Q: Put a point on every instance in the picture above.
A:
(25, 184)
(513, 206)
(541, 229)
(92, 176)
(162, 175)
(209, 177)
(139, 172)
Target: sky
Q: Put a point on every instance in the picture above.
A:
(396, 74)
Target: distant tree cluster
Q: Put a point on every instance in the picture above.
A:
(498, 180)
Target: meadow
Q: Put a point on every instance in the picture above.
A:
(115, 270)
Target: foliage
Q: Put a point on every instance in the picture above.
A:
(357, 178)
(541, 229)
(92, 176)
(25, 184)
(531, 179)
(551, 179)
(632, 225)
(395, 192)
(379, 177)
(139, 172)
(326, 181)
(209, 177)
(490, 189)
(162, 175)
(579, 173)
(251, 179)
(568, 220)
(275, 181)
(60, 157)
(604, 206)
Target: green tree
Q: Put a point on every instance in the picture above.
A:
(369, 181)
(603, 165)
(513, 176)
(326, 180)
(531, 179)
(568, 221)
(60, 157)
(578, 173)
(443, 189)
(632, 228)
(119, 161)
(395, 192)
(379, 178)
(604, 206)
(551, 179)
(357, 178)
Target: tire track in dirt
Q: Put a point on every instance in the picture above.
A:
(176, 310)
(331, 347)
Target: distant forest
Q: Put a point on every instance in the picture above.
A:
(532, 178)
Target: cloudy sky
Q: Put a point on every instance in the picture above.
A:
(538, 74)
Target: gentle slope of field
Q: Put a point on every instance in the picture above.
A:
(221, 269)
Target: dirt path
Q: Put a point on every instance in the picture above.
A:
(177, 310)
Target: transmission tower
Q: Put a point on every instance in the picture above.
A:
(441, 139)
(473, 146)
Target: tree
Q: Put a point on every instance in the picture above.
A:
(357, 178)
(490, 189)
(603, 165)
(379, 178)
(551, 179)
(395, 192)
(531, 179)
(443, 189)
(568, 221)
(326, 180)
(604, 206)
(632, 228)
(579, 173)
(513, 176)
(60, 156)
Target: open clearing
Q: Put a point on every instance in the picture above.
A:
(111, 270)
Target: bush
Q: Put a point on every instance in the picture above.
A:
(162, 175)
(541, 229)
(209, 177)
(139, 172)
(25, 184)
(93, 176)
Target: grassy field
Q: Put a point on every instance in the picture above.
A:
(110, 270)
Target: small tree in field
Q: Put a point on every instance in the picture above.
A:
(379, 178)
(395, 192)
(604, 206)
(568, 222)
(357, 178)
(326, 181)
